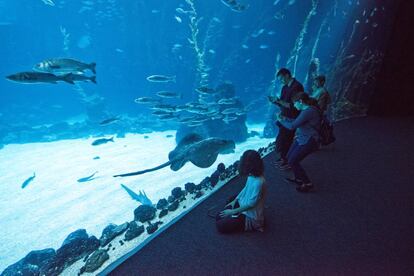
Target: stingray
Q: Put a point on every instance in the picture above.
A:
(192, 148)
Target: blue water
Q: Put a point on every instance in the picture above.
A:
(130, 40)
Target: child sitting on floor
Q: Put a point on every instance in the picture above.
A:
(246, 211)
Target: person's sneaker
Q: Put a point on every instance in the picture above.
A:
(305, 188)
(279, 161)
(284, 167)
(293, 180)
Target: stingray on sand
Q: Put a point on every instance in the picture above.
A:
(201, 152)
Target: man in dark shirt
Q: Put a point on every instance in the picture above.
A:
(290, 88)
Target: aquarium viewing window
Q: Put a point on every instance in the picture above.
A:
(119, 117)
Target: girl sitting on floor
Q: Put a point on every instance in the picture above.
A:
(246, 211)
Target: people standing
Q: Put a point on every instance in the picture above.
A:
(307, 134)
(320, 93)
(291, 87)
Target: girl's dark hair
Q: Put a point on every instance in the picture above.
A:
(305, 98)
(251, 163)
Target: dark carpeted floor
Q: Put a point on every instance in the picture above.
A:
(359, 221)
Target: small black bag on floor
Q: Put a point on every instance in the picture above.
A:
(326, 132)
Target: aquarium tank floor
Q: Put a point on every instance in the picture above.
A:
(357, 222)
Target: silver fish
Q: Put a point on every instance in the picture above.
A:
(109, 121)
(169, 94)
(146, 100)
(64, 65)
(232, 110)
(161, 78)
(227, 101)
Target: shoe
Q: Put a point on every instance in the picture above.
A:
(293, 180)
(284, 167)
(279, 161)
(304, 188)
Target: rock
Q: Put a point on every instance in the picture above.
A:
(144, 213)
(214, 178)
(198, 187)
(190, 187)
(163, 213)
(111, 231)
(121, 243)
(177, 192)
(153, 227)
(221, 167)
(205, 183)
(173, 206)
(134, 231)
(198, 194)
(146, 137)
(31, 264)
(95, 261)
(76, 246)
(162, 204)
(171, 199)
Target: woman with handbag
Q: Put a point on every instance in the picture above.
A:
(246, 211)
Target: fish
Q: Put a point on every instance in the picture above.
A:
(80, 77)
(109, 121)
(229, 119)
(264, 46)
(211, 51)
(64, 65)
(146, 100)
(96, 158)
(48, 2)
(192, 148)
(161, 78)
(161, 112)
(247, 60)
(27, 181)
(244, 46)
(179, 20)
(169, 94)
(227, 101)
(141, 197)
(167, 117)
(38, 77)
(271, 32)
(101, 141)
(279, 16)
(259, 32)
(88, 178)
(232, 110)
(164, 107)
(234, 6)
(205, 90)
